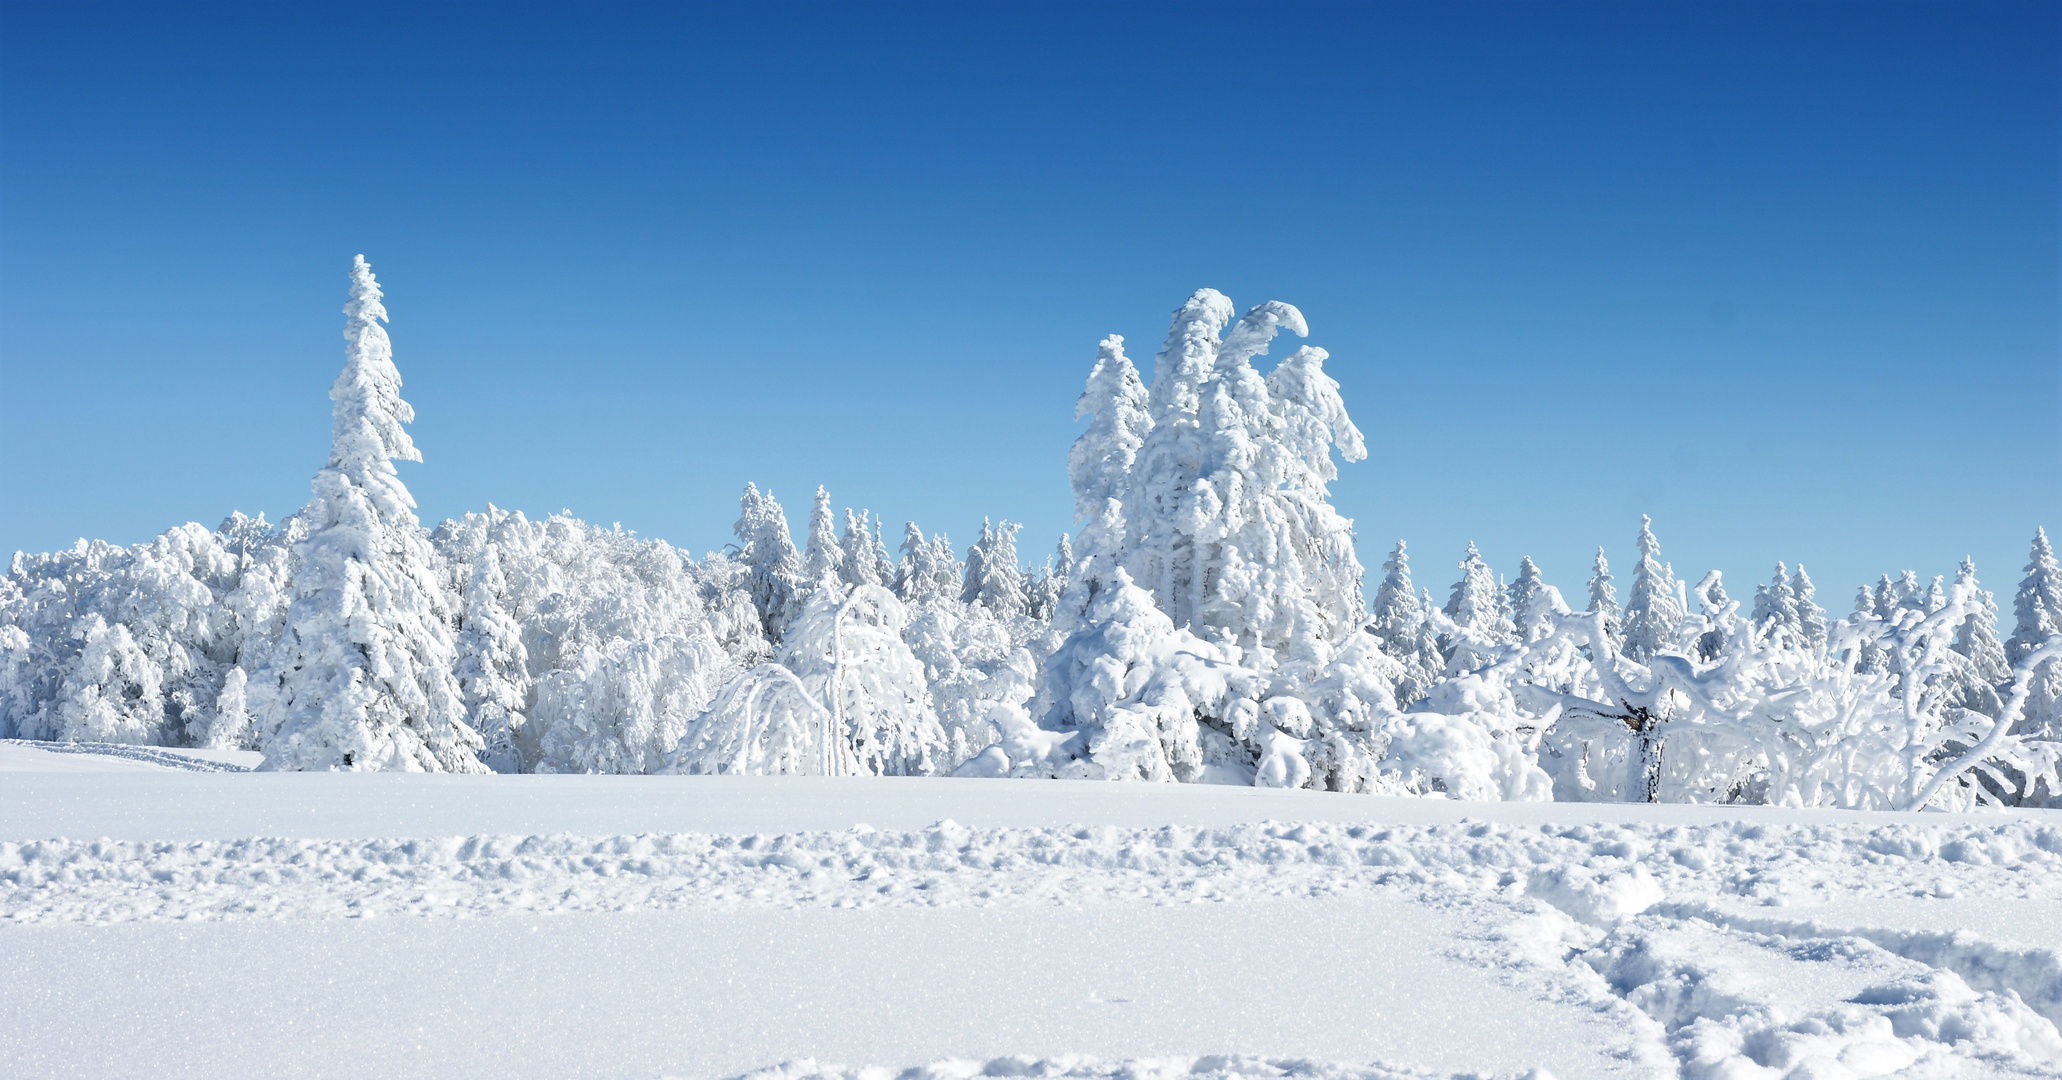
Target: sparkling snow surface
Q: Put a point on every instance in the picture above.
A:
(232, 924)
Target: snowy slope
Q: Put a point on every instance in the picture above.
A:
(395, 925)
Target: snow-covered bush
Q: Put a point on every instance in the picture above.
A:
(869, 709)
(136, 644)
(1134, 698)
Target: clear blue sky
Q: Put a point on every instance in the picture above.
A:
(1785, 277)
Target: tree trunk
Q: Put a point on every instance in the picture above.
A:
(1650, 763)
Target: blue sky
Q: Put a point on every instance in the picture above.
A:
(1784, 277)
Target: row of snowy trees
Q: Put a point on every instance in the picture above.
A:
(1206, 624)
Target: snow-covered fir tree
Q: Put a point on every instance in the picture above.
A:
(916, 578)
(1527, 600)
(992, 577)
(1775, 606)
(2037, 619)
(1603, 596)
(493, 666)
(1114, 402)
(862, 566)
(1159, 553)
(362, 677)
(1397, 617)
(1977, 637)
(1811, 618)
(823, 558)
(1476, 608)
(1653, 609)
(764, 546)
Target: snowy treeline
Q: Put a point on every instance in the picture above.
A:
(1206, 624)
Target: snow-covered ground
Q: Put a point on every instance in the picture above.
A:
(158, 921)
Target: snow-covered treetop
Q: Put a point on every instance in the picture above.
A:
(366, 434)
(824, 557)
(2037, 608)
(1603, 597)
(1315, 420)
(1115, 399)
(1653, 611)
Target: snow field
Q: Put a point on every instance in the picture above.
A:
(1406, 938)
(710, 994)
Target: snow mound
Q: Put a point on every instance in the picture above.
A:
(1738, 1003)
(1072, 1067)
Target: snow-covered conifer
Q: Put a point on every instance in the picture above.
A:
(1159, 552)
(363, 675)
(993, 578)
(1398, 619)
(1935, 597)
(1811, 618)
(2037, 618)
(1977, 637)
(915, 578)
(1653, 611)
(1775, 606)
(1042, 592)
(1314, 424)
(1063, 560)
(2037, 607)
(1099, 463)
(823, 557)
(946, 571)
(861, 565)
(765, 547)
(1526, 596)
(1476, 609)
(493, 667)
(1603, 596)
(884, 563)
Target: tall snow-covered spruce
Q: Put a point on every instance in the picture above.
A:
(362, 677)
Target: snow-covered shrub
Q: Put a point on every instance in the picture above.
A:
(622, 705)
(763, 722)
(847, 649)
(846, 697)
(1135, 698)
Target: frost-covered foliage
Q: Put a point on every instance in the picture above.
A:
(107, 644)
(1205, 624)
(625, 640)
